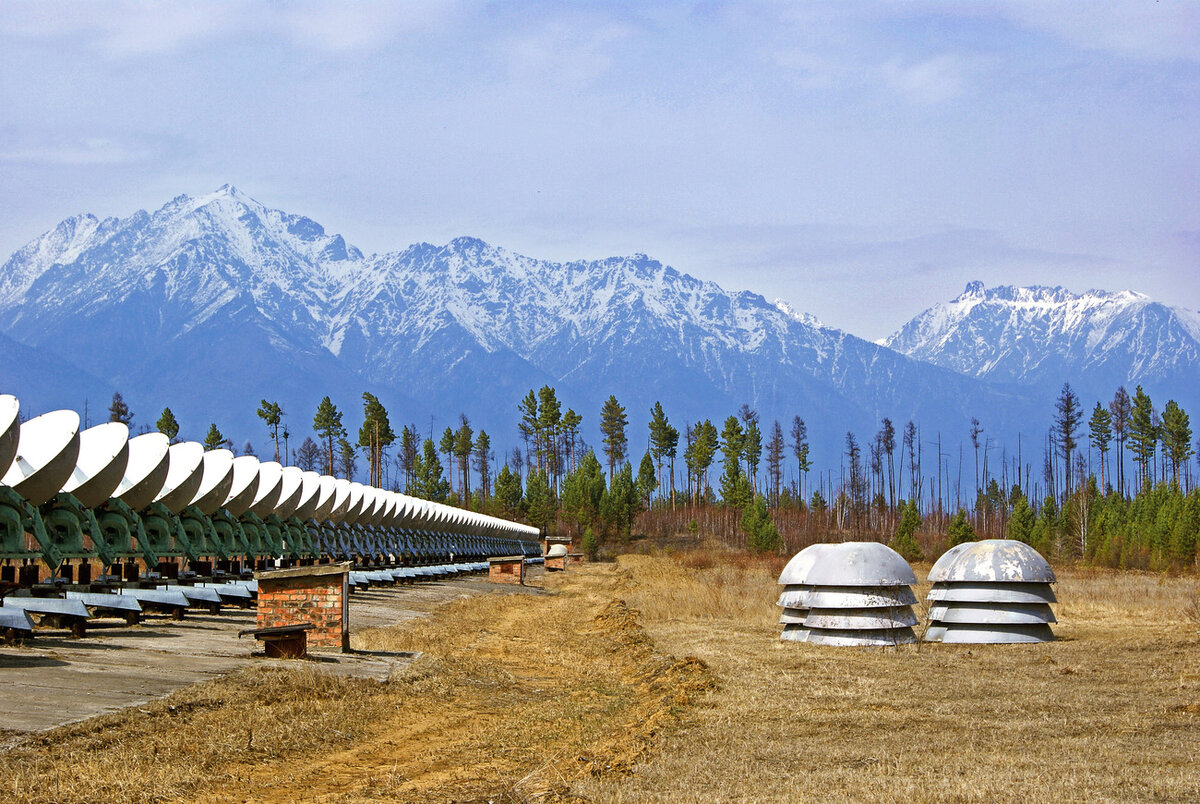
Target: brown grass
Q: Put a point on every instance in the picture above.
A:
(1111, 712)
(168, 748)
(514, 698)
(572, 695)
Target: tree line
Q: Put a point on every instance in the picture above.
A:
(1095, 486)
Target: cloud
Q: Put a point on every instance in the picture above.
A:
(927, 82)
(85, 151)
(1139, 29)
(133, 28)
(567, 52)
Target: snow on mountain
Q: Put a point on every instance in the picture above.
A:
(1039, 337)
(215, 302)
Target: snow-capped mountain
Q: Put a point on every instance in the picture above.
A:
(1039, 337)
(213, 303)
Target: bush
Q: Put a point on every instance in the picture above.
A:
(761, 535)
(904, 542)
(960, 529)
(590, 544)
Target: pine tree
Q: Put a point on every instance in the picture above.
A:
(528, 425)
(1120, 409)
(583, 491)
(1176, 437)
(549, 431)
(646, 480)
(347, 458)
(775, 447)
(800, 450)
(752, 449)
(1100, 434)
(910, 446)
(976, 429)
(508, 492)
(539, 500)
(761, 534)
(735, 488)
(375, 436)
(857, 490)
(960, 529)
(704, 452)
(408, 453)
(464, 442)
(904, 541)
(619, 506)
(1065, 424)
(570, 426)
(660, 429)
(612, 427)
(215, 439)
(1021, 521)
(272, 414)
(167, 425)
(309, 455)
(483, 457)
(428, 482)
(118, 411)
(327, 423)
(446, 447)
(1143, 434)
(888, 434)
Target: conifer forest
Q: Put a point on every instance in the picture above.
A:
(1106, 482)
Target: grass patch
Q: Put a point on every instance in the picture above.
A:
(574, 695)
(1109, 712)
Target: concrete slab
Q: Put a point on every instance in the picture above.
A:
(54, 679)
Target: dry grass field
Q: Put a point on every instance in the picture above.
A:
(575, 695)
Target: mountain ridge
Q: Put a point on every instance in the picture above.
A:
(233, 301)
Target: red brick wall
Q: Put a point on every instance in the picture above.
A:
(507, 571)
(316, 599)
(557, 563)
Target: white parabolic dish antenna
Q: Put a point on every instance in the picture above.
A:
(270, 488)
(341, 500)
(46, 455)
(310, 496)
(244, 485)
(146, 473)
(183, 476)
(325, 498)
(217, 481)
(10, 430)
(103, 457)
(353, 506)
(291, 493)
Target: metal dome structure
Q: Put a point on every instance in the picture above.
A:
(850, 594)
(995, 591)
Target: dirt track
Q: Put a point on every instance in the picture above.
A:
(515, 698)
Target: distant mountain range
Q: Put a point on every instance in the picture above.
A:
(215, 302)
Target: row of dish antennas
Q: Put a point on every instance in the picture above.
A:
(99, 495)
(860, 593)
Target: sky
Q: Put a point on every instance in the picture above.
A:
(861, 161)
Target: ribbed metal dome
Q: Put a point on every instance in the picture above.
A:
(995, 591)
(854, 593)
(992, 561)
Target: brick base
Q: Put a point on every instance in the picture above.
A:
(556, 563)
(507, 569)
(300, 595)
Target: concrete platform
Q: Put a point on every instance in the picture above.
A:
(55, 679)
